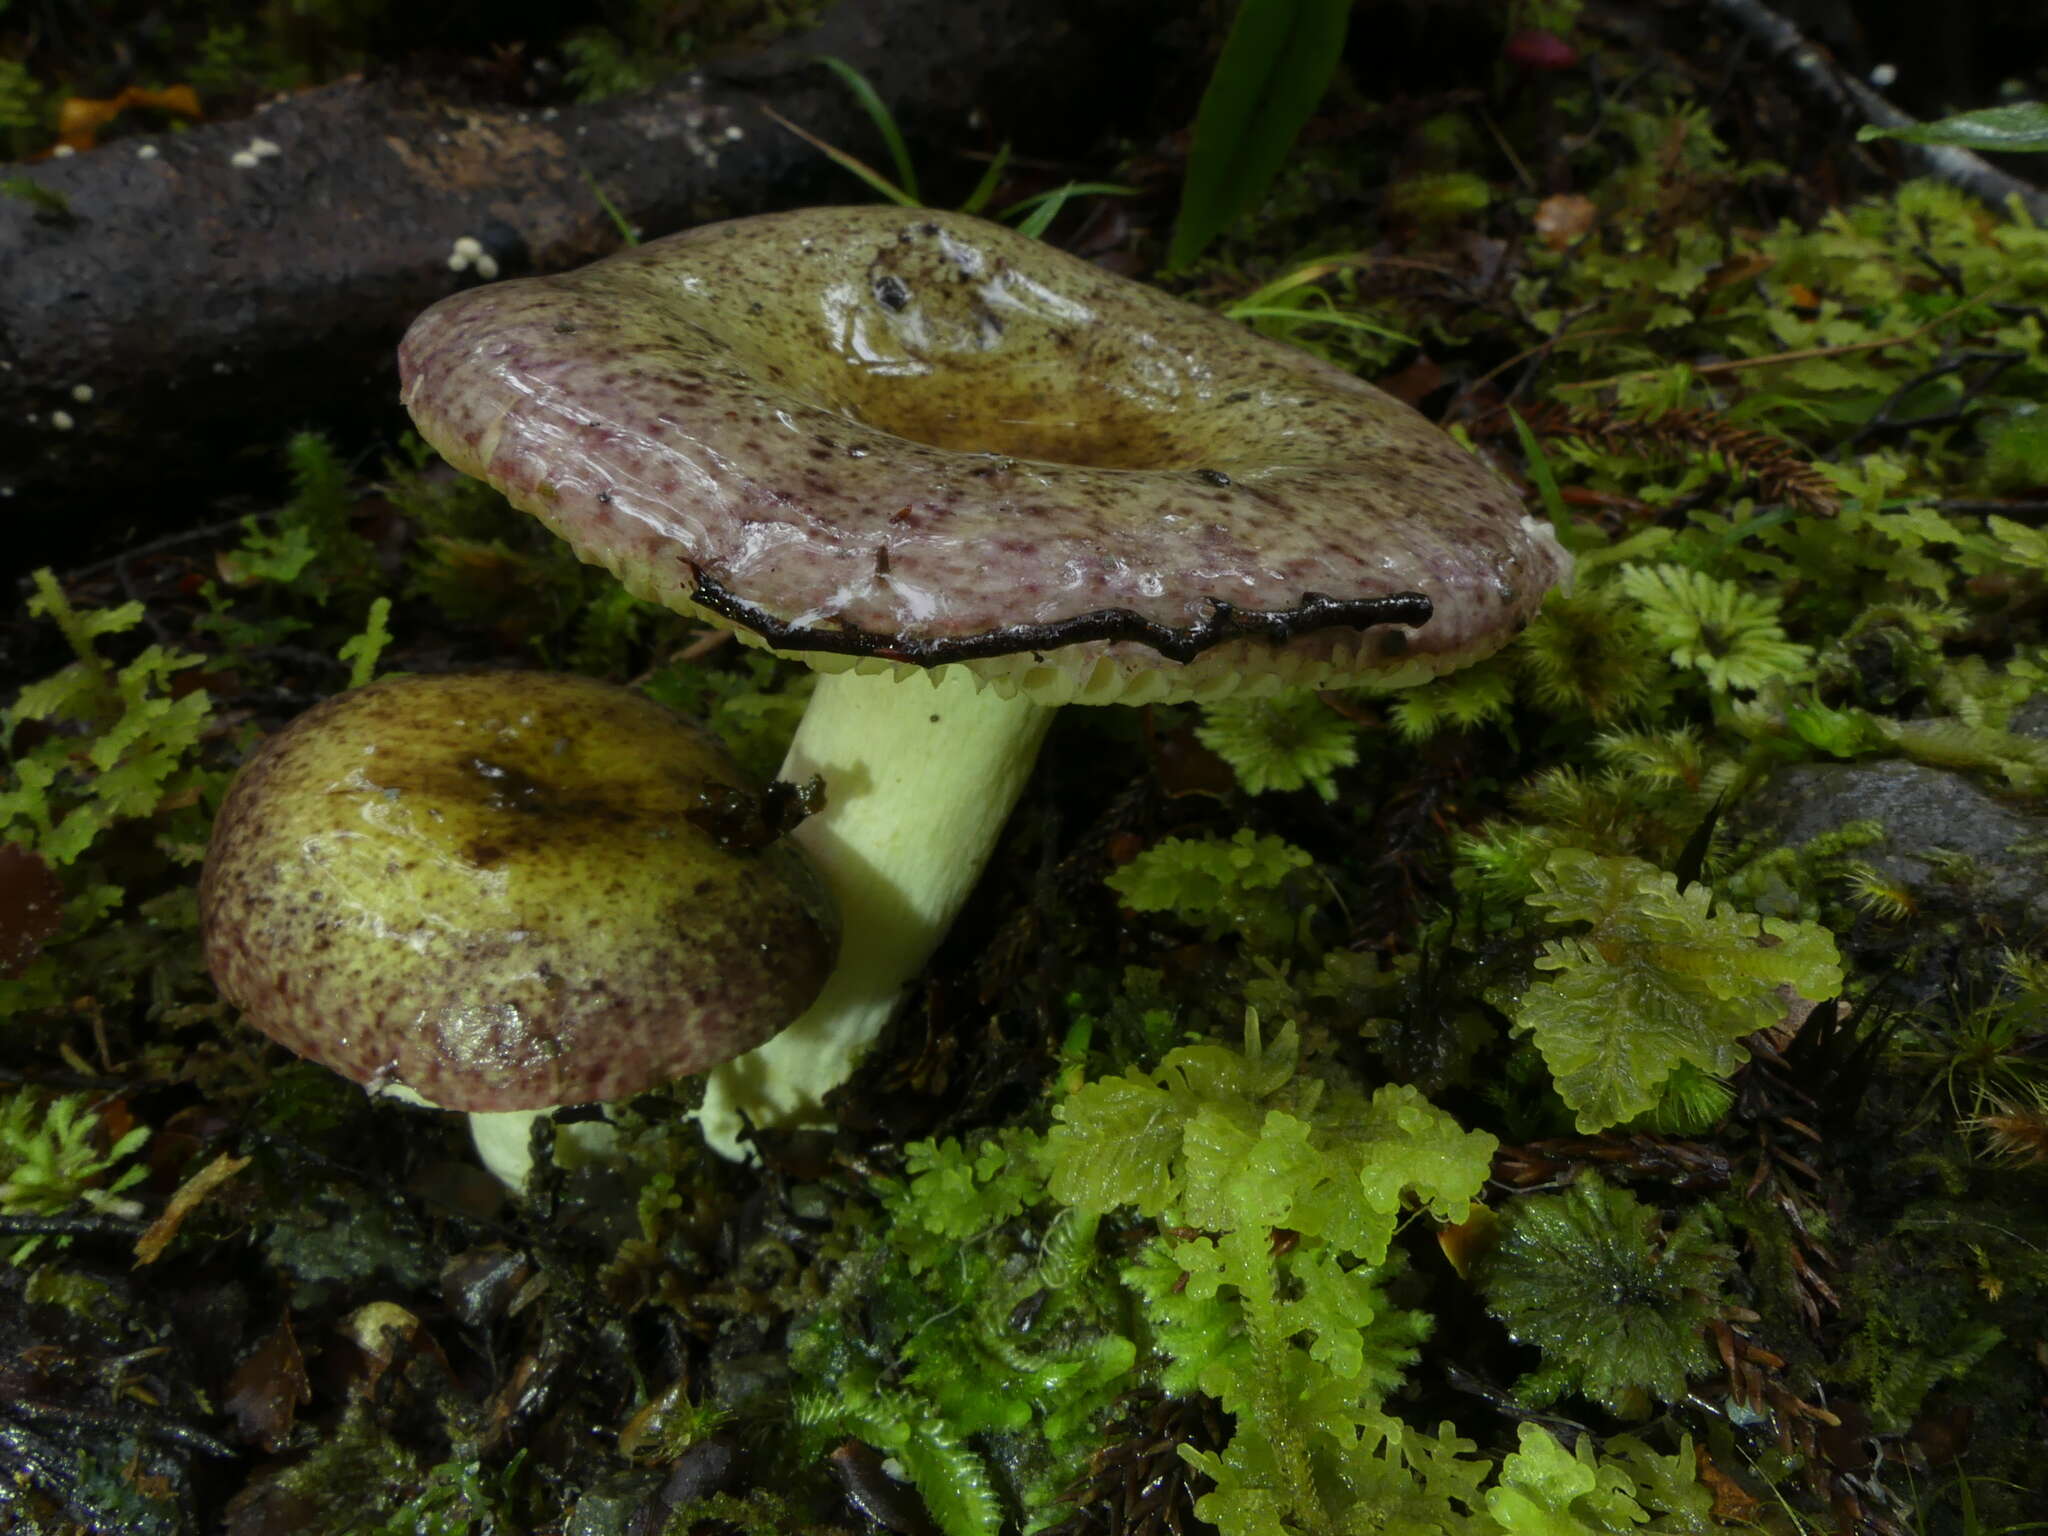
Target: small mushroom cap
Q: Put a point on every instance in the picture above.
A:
(882, 436)
(491, 889)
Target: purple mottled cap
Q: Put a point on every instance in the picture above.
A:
(506, 891)
(877, 436)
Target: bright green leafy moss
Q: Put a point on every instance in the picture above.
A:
(145, 729)
(1236, 1135)
(361, 651)
(979, 1310)
(2016, 452)
(1691, 1103)
(93, 753)
(1298, 1340)
(1588, 653)
(986, 1329)
(1292, 741)
(1658, 978)
(309, 547)
(56, 1153)
(1730, 636)
(1478, 695)
(1259, 887)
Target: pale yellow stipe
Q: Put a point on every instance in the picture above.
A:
(920, 774)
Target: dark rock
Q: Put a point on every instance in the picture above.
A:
(1960, 851)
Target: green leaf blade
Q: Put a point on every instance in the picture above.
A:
(1274, 68)
(878, 112)
(2019, 129)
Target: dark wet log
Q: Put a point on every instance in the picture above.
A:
(193, 298)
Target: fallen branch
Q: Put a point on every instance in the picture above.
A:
(1858, 100)
(177, 304)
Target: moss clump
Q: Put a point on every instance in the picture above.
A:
(1618, 1305)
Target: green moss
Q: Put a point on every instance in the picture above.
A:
(1618, 1306)
(56, 1153)
(1258, 887)
(27, 112)
(2016, 453)
(1658, 979)
(356, 1477)
(642, 42)
(338, 1238)
(1433, 201)
(1291, 741)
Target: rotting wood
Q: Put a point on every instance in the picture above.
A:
(193, 306)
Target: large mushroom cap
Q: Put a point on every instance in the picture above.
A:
(879, 435)
(499, 891)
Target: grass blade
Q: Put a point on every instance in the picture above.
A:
(2018, 129)
(1046, 206)
(1316, 315)
(1546, 482)
(1275, 65)
(991, 178)
(860, 168)
(885, 122)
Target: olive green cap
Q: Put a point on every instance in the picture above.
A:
(506, 890)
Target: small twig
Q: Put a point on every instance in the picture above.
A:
(175, 1431)
(207, 533)
(81, 1225)
(1993, 365)
(2018, 511)
(1547, 345)
(1855, 99)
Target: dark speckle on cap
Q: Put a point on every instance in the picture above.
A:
(891, 294)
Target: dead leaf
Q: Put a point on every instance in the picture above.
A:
(386, 1335)
(1732, 1501)
(80, 118)
(1418, 380)
(268, 1388)
(1565, 218)
(1471, 1239)
(31, 906)
(380, 1329)
(150, 1246)
(1183, 766)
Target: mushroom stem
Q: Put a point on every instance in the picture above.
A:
(504, 1141)
(921, 770)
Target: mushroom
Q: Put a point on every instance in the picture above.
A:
(507, 891)
(968, 478)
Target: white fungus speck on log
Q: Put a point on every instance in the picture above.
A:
(254, 153)
(468, 254)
